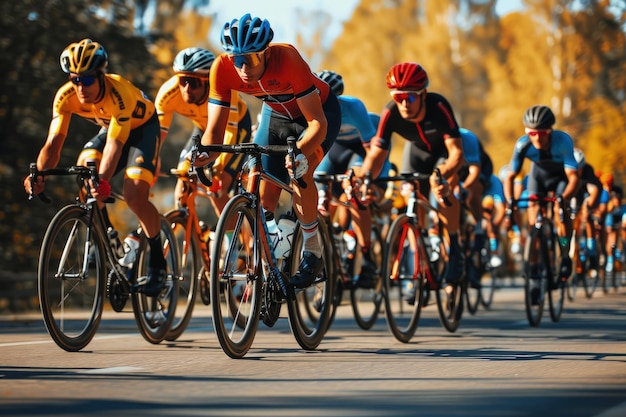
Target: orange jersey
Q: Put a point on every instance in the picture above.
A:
(122, 108)
(169, 100)
(287, 77)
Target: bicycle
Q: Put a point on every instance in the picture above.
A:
(481, 283)
(586, 262)
(192, 237)
(248, 283)
(78, 269)
(613, 273)
(365, 302)
(541, 271)
(413, 268)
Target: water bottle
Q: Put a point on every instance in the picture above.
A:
(286, 227)
(130, 245)
(272, 229)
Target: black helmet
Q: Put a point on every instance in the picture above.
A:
(334, 80)
(539, 117)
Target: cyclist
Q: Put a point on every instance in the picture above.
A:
(128, 140)
(614, 227)
(427, 122)
(295, 103)
(553, 168)
(494, 209)
(587, 201)
(357, 129)
(187, 93)
(474, 177)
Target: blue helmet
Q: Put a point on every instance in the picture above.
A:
(245, 35)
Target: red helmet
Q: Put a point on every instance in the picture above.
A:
(407, 75)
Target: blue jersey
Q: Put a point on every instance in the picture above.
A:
(356, 126)
(560, 154)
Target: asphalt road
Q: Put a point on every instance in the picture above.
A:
(494, 365)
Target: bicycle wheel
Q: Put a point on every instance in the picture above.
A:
(189, 266)
(449, 297)
(535, 277)
(310, 311)
(71, 281)
(236, 278)
(556, 295)
(366, 301)
(154, 315)
(473, 270)
(404, 270)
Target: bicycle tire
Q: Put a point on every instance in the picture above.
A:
(556, 294)
(405, 267)
(189, 272)
(154, 315)
(366, 302)
(71, 305)
(311, 309)
(450, 298)
(236, 278)
(473, 268)
(534, 247)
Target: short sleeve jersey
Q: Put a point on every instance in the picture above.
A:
(429, 135)
(356, 125)
(169, 100)
(286, 78)
(559, 155)
(122, 108)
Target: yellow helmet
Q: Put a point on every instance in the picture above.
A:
(83, 57)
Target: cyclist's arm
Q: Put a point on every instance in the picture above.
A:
(214, 133)
(572, 183)
(315, 133)
(455, 158)
(374, 160)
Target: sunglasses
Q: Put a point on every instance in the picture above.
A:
(85, 80)
(251, 60)
(409, 96)
(192, 82)
(537, 132)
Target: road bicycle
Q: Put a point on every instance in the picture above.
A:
(541, 263)
(481, 282)
(416, 256)
(78, 269)
(586, 262)
(247, 282)
(365, 302)
(613, 272)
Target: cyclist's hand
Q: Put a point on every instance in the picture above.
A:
(441, 189)
(37, 186)
(302, 166)
(102, 192)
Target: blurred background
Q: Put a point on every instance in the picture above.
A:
(491, 59)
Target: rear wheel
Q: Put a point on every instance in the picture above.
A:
(71, 281)
(154, 315)
(311, 310)
(449, 297)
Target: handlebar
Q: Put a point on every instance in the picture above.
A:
(89, 172)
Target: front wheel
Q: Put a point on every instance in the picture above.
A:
(154, 315)
(405, 268)
(535, 277)
(190, 260)
(366, 301)
(311, 310)
(71, 279)
(236, 278)
(449, 297)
